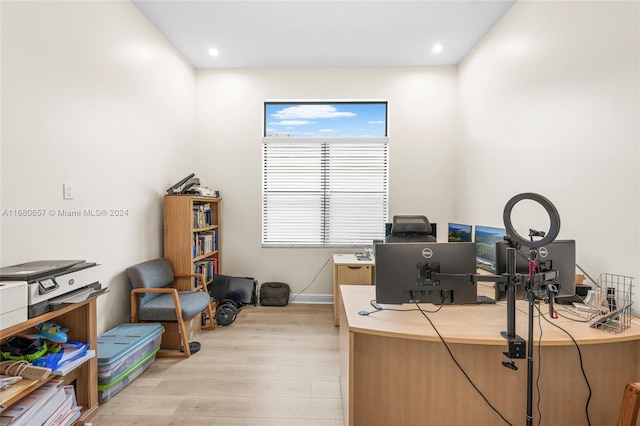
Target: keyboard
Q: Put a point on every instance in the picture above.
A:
(486, 299)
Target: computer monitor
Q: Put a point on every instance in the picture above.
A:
(558, 255)
(403, 272)
(522, 260)
(486, 238)
(459, 233)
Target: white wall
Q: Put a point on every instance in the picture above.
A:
(93, 95)
(230, 116)
(549, 103)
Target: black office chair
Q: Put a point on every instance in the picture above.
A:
(410, 228)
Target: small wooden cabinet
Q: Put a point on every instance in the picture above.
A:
(81, 318)
(348, 270)
(192, 235)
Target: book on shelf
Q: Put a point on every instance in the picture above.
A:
(61, 412)
(68, 412)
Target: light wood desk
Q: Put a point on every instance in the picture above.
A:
(347, 269)
(394, 370)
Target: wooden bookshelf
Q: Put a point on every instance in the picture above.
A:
(192, 234)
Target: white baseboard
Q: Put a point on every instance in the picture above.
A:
(323, 299)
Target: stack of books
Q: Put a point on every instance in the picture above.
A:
(52, 404)
(202, 216)
(205, 267)
(205, 242)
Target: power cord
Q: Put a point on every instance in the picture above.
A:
(575, 314)
(584, 374)
(539, 366)
(379, 308)
(312, 281)
(424, 313)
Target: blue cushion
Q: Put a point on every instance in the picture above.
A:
(162, 308)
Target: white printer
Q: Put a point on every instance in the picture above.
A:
(53, 284)
(13, 303)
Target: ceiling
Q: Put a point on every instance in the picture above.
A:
(323, 33)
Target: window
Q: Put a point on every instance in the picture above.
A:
(325, 173)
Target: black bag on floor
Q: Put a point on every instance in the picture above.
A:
(238, 289)
(274, 294)
(232, 293)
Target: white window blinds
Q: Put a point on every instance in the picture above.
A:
(324, 192)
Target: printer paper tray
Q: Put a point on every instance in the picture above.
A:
(77, 296)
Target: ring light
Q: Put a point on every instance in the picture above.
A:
(554, 218)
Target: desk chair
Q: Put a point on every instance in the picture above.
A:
(407, 228)
(628, 415)
(157, 297)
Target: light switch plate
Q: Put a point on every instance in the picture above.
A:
(67, 191)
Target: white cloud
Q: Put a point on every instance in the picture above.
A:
(292, 123)
(376, 122)
(327, 130)
(311, 111)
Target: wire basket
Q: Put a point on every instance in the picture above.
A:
(615, 303)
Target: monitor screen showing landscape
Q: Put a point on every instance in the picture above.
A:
(459, 233)
(486, 238)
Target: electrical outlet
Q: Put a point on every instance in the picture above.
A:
(67, 191)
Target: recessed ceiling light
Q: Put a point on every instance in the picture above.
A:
(437, 48)
(214, 52)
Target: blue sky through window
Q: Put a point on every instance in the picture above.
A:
(327, 120)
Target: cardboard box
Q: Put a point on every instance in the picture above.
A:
(13, 303)
(171, 336)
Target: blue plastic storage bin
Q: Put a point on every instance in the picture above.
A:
(123, 353)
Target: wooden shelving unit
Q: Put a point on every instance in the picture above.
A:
(81, 318)
(192, 234)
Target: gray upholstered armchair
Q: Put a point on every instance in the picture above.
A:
(157, 297)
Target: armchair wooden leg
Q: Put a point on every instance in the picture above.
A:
(184, 338)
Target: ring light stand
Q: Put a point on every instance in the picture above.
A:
(551, 211)
(516, 343)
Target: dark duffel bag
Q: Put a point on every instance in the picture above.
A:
(274, 294)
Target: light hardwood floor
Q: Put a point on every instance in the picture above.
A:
(274, 366)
